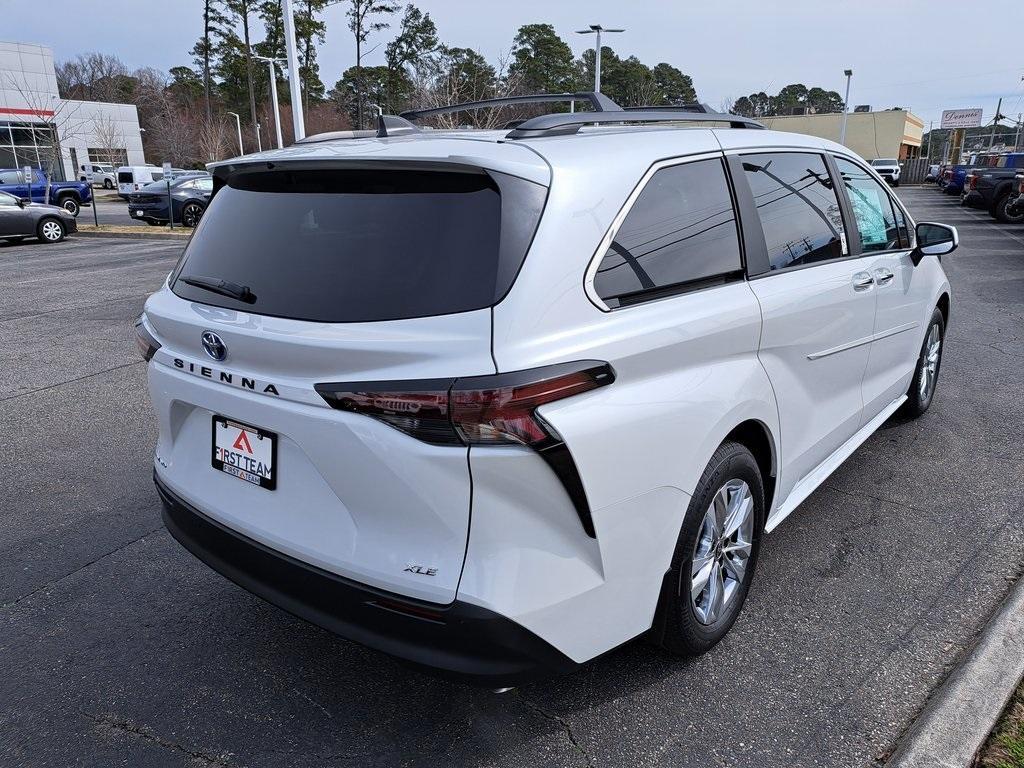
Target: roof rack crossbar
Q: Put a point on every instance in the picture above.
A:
(570, 123)
(598, 102)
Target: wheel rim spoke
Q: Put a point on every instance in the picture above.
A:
(722, 551)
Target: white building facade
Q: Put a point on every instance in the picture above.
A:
(41, 130)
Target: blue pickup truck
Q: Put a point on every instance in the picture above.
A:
(69, 195)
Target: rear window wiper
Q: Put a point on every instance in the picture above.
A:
(223, 287)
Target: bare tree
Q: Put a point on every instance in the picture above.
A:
(214, 140)
(460, 75)
(175, 134)
(109, 139)
(92, 77)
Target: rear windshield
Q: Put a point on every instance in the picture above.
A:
(884, 161)
(125, 177)
(361, 245)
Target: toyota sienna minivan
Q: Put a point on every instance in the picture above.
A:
(498, 401)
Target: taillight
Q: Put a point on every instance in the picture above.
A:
(476, 410)
(144, 340)
(495, 410)
(972, 181)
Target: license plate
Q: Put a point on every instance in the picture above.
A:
(245, 452)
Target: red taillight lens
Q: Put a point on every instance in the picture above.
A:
(475, 410)
(144, 340)
(420, 409)
(507, 414)
(972, 181)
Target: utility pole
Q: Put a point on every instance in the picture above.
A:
(238, 124)
(273, 95)
(931, 127)
(995, 122)
(294, 81)
(597, 29)
(846, 106)
(1016, 140)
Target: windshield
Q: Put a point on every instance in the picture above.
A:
(885, 161)
(360, 245)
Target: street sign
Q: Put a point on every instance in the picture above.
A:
(961, 118)
(167, 171)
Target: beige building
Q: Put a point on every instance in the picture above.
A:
(871, 135)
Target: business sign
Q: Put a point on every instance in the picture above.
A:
(961, 118)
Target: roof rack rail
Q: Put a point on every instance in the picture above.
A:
(570, 123)
(693, 106)
(598, 102)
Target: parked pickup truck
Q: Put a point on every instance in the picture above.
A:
(991, 187)
(69, 195)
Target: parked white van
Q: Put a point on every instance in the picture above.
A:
(131, 178)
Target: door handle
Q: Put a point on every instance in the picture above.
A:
(883, 276)
(862, 281)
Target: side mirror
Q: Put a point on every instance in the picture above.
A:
(23, 201)
(935, 240)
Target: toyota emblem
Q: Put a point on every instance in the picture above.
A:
(213, 345)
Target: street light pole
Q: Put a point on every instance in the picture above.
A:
(294, 81)
(597, 29)
(846, 106)
(238, 124)
(273, 95)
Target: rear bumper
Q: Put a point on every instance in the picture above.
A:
(458, 640)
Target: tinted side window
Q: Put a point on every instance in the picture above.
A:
(797, 206)
(872, 209)
(681, 229)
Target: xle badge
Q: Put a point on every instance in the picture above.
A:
(421, 570)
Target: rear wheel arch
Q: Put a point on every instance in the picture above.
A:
(755, 436)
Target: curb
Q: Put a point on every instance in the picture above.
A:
(962, 712)
(131, 235)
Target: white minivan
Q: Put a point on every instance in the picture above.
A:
(131, 178)
(496, 402)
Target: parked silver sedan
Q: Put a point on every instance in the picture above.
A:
(21, 218)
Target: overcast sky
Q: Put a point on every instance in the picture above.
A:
(904, 53)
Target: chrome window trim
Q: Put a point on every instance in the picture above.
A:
(595, 261)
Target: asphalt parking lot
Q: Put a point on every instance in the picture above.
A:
(119, 648)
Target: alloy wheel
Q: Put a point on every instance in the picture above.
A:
(191, 215)
(723, 547)
(52, 231)
(929, 364)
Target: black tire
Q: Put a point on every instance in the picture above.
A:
(191, 214)
(108, 184)
(70, 204)
(1001, 212)
(896, 183)
(677, 627)
(47, 233)
(918, 398)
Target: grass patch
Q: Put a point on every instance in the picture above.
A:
(133, 229)
(1005, 745)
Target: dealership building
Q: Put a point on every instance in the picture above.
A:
(872, 135)
(38, 127)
